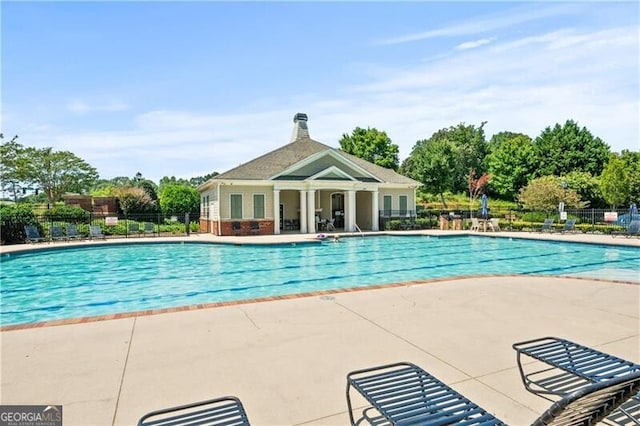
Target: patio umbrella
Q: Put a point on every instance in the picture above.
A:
(633, 210)
(484, 202)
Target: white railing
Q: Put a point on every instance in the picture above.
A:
(357, 228)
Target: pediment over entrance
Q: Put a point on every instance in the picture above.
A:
(326, 165)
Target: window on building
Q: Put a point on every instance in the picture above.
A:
(386, 205)
(403, 205)
(236, 206)
(258, 206)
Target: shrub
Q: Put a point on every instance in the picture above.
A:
(392, 225)
(66, 214)
(13, 218)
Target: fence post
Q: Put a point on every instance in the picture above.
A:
(186, 224)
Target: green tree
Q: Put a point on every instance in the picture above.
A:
(179, 199)
(632, 164)
(431, 162)
(568, 148)
(587, 187)
(545, 194)
(56, 172)
(371, 145)
(614, 182)
(134, 200)
(10, 159)
(510, 162)
(199, 180)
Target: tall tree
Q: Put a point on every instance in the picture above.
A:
(471, 148)
(614, 182)
(587, 187)
(57, 172)
(10, 160)
(510, 162)
(632, 165)
(371, 145)
(179, 199)
(568, 148)
(431, 163)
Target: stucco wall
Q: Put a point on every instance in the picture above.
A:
(247, 193)
(395, 198)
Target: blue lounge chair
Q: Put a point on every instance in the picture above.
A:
(220, 411)
(254, 227)
(133, 229)
(32, 234)
(569, 226)
(96, 232)
(236, 227)
(56, 233)
(557, 367)
(149, 228)
(405, 394)
(72, 231)
(547, 225)
(632, 231)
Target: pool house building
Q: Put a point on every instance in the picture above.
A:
(304, 187)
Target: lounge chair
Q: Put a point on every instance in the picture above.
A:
(494, 224)
(254, 227)
(96, 232)
(569, 226)
(134, 229)
(149, 228)
(72, 231)
(236, 227)
(330, 225)
(552, 366)
(403, 394)
(547, 226)
(220, 411)
(632, 231)
(32, 234)
(56, 233)
(475, 224)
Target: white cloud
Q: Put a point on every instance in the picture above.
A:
(82, 106)
(508, 19)
(521, 85)
(474, 44)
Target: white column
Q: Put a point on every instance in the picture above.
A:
(276, 211)
(375, 215)
(303, 212)
(311, 211)
(350, 211)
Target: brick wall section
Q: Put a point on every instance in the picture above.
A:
(82, 201)
(266, 227)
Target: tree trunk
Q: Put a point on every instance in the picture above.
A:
(444, 203)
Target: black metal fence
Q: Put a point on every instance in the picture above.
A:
(603, 221)
(55, 227)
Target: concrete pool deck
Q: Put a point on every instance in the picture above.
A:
(287, 360)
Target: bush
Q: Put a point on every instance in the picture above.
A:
(66, 214)
(13, 218)
(392, 225)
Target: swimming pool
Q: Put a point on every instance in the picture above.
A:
(106, 279)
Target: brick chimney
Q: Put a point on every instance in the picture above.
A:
(300, 129)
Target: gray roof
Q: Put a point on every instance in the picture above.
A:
(300, 148)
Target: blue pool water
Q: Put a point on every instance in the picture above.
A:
(106, 279)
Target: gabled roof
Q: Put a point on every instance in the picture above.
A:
(271, 165)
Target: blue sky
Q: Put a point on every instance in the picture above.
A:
(187, 88)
